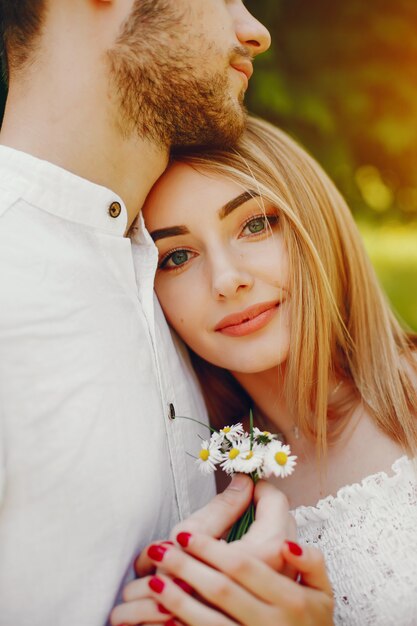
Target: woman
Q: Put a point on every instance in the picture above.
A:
(262, 273)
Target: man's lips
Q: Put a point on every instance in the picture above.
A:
(245, 67)
(232, 322)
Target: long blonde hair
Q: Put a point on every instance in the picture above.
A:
(341, 324)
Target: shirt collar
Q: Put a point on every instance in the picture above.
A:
(62, 193)
(139, 234)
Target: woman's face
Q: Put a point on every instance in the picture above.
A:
(222, 276)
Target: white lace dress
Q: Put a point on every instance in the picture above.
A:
(368, 534)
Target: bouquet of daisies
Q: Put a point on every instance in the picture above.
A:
(257, 453)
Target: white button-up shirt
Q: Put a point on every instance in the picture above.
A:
(91, 467)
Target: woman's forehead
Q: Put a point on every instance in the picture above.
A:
(183, 184)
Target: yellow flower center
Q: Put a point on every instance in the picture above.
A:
(249, 455)
(204, 455)
(266, 433)
(281, 458)
(226, 430)
(234, 452)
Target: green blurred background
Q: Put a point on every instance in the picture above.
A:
(341, 77)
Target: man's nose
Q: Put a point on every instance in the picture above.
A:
(250, 32)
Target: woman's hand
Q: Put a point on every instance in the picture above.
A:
(229, 587)
(273, 522)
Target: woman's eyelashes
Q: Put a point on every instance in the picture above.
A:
(253, 227)
(175, 259)
(259, 224)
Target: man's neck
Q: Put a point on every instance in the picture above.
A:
(77, 134)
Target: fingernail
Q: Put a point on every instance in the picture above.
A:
(156, 584)
(171, 622)
(156, 552)
(184, 586)
(184, 539)
(239, 482)
(163, 610)
(294, 548)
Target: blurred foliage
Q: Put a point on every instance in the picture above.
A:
(341, 77)
(393, 250)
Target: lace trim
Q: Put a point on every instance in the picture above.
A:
(349, 494)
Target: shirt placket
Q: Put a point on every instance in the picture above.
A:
(146, 259)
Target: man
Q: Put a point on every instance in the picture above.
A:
(93, 464)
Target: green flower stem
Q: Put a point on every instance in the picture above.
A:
(243, 524)
(191, 419)
(251, 428)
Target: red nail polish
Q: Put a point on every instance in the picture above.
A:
(156, 584)
(156, 552)
(184, 586)
(294, 548)
(163, 610)
(171, 622)
(184, 539)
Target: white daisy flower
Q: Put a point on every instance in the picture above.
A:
(278, 460)
(231, 433)
(232, 456)
(209, 457)
(263, 436)
(249, 460)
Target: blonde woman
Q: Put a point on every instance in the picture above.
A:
(263, 274)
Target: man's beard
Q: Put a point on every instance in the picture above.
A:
(163, 92)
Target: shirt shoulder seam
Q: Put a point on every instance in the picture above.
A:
(8, 199)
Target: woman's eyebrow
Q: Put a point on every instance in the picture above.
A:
(236, 202)
(172, 231)
(224, 211)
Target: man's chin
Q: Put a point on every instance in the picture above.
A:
(224, 135)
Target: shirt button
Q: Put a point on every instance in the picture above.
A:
(171, 411)
(115, 209)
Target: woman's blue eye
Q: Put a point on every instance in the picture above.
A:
(175, 259)
(179, 257)
(259, 224)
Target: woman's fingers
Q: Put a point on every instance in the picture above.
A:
(236, 587)
(185, 607)
(139, 611)
(216, 588)
(273, 524)
(272, 515)
(244, 589)
(222, 511)
(143, 565)
(227, 577)
(310, 563)
(214, 519)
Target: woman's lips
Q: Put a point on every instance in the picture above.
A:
(248, 321)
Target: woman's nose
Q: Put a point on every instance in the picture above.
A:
(250, 32)
(229, 281)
